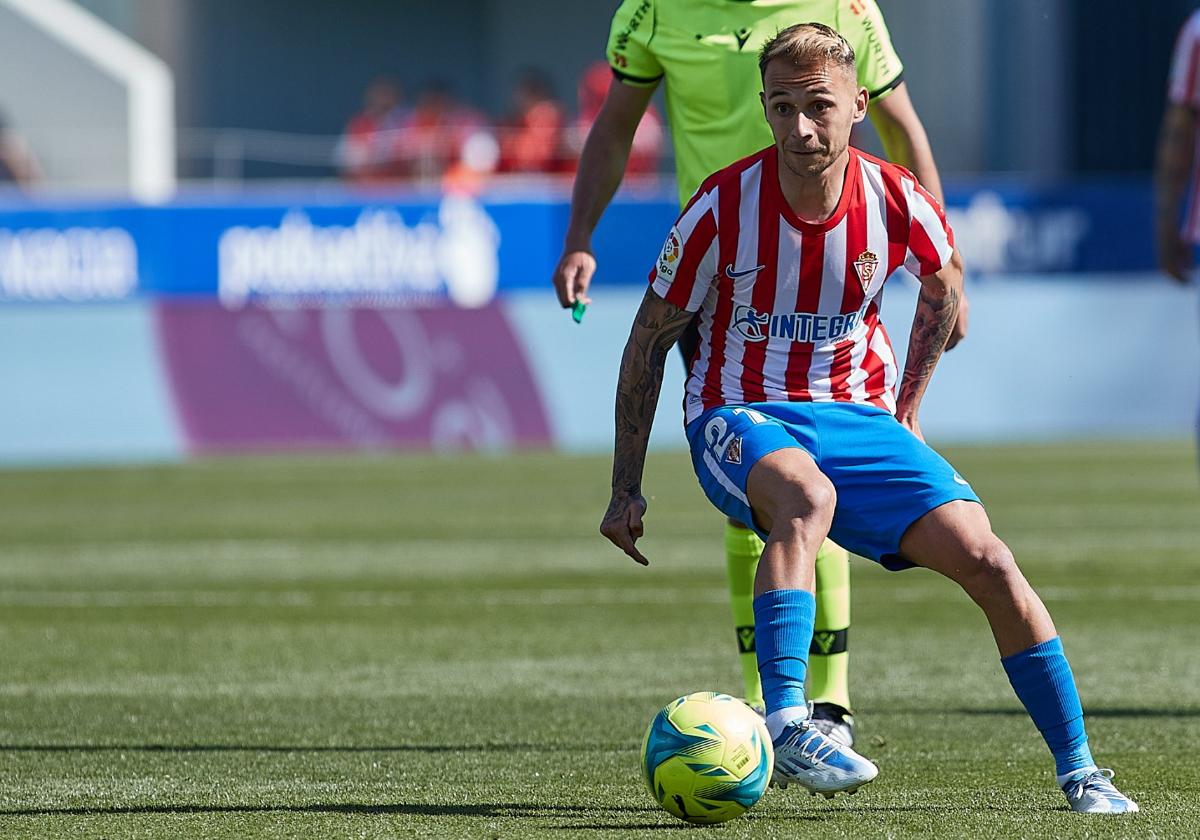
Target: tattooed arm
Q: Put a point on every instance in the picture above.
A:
(937, 308)
(656, 328)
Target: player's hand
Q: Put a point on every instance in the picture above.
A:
(959, 332)
(622, 523)
(573, 276)
(1175, 258)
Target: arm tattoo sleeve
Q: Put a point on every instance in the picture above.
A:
(932, 323)
(655, 330)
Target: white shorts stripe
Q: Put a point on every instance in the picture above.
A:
(723, 480)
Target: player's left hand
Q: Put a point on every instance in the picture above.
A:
(622, 523)
(959, 332)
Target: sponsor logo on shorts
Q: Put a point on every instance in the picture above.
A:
(733, 452)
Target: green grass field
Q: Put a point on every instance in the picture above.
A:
(417, 647)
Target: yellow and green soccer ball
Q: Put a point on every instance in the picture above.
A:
(707, 757)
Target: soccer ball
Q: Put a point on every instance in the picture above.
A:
(707, 757)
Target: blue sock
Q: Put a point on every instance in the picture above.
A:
(783, 628)
(1042, 679)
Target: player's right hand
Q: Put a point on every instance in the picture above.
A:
(622, 523)
(573, 276)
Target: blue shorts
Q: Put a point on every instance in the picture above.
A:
(886, 479)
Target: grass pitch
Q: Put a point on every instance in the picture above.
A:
(423, 647)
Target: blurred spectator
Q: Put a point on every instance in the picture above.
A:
(369, 149)
(17, 164)
(647, 140)
(435, 132)
(532, 139)
(477, 160)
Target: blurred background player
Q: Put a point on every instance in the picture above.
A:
(708, 58)
(1175, 172)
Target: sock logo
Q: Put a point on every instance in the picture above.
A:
(828, 642)
(745, 637)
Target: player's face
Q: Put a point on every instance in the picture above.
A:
(811, 110)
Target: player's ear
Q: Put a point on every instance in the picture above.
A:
(762, 98)
(861, 99)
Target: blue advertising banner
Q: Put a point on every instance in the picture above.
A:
(429, 249)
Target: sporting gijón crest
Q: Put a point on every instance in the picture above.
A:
(865, 267)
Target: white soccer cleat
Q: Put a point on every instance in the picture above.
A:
(1094, 793)
(807, 757)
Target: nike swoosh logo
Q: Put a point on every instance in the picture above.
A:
(737, 275)
(958, 479)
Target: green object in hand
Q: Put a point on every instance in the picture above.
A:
(577, 310)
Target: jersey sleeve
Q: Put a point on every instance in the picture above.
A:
(930, 239)
(687, 264)
(879, 67)
(628, 52)
(1183, 87)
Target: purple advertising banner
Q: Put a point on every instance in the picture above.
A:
(330, 377)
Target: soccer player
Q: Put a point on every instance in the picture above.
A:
(1175, 173)
(791, 414)
(707, 56)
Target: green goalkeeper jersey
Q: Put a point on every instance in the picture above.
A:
(707, 52)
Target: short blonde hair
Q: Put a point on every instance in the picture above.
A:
(805, 44)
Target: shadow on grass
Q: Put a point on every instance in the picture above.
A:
(622, 818)
(819, 815)
(481, 809)
(1091, 712)
(314, 748)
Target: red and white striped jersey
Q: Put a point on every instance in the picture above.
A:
(1183, 88)
(788, 309)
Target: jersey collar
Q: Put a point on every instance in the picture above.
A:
(849, 185)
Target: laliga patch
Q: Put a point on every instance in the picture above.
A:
(865, 266)
(668, 260)
(733, 452)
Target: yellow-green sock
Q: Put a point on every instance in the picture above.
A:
(828, 659)
(742, 550)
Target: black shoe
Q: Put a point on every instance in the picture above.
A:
(834, 721)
